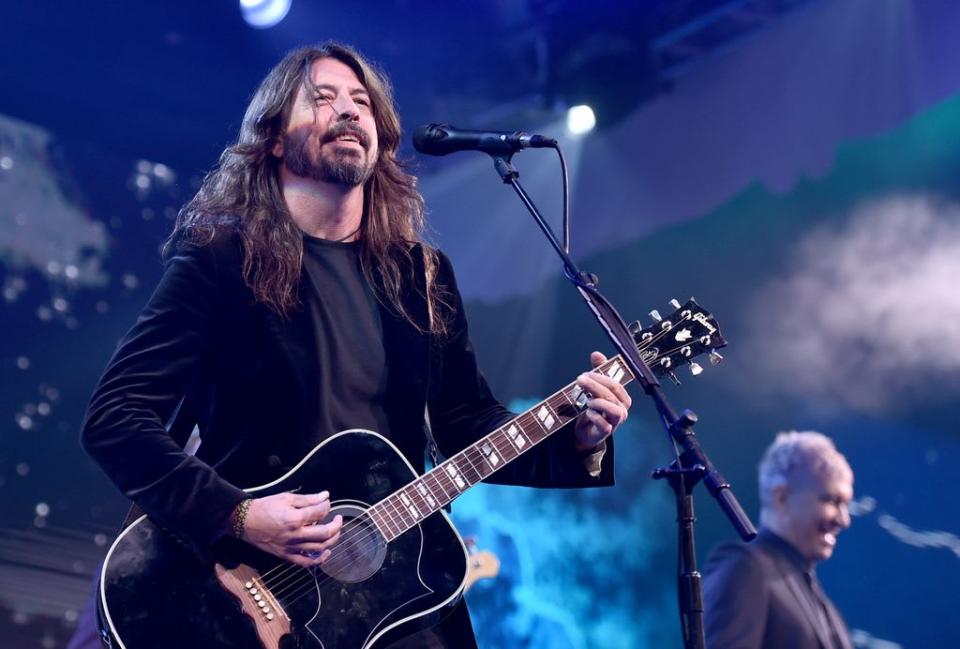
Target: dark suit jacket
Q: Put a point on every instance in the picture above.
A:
(245, 376)
(755, 595)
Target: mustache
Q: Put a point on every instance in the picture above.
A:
(347, 128)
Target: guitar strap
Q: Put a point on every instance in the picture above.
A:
(434, 457)
(432, 449)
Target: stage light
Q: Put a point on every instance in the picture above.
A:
(580, 120)
(264, 13)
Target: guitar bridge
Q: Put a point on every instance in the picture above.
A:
(257, 602)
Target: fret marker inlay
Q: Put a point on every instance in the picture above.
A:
(410, 506)
(490, 454)
(452, 471)
(579, 397)
(546, 417)
(514, 433)
(426, 495)
(615, 372)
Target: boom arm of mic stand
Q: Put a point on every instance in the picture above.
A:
(679, 427)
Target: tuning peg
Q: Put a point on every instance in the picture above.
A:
(673, 377)
(695, 368)
(675, 303)
(655, 316)
(635, 327)
(665, 362)
(715, 357)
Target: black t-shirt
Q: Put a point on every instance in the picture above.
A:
(351, 361)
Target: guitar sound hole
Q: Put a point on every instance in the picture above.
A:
(360, 551)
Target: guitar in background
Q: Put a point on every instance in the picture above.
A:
(481, 564)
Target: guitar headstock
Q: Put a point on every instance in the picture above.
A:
(677, 339)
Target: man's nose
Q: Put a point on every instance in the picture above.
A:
(844, 516)
(344, 107)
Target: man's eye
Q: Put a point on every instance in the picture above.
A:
(362, 101)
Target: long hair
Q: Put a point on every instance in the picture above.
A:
(245, 185)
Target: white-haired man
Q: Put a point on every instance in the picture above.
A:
(765, 594)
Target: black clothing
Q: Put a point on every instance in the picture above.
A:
(351, 361)
(250, 380)
(764, 594)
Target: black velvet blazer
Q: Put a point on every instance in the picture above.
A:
(205, 352)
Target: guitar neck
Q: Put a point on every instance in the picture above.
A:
(431, 492)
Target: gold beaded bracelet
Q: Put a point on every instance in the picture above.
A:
(240, 517)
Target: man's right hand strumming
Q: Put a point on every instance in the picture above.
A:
(289, 526)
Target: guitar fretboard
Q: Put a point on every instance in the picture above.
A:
(429, 493)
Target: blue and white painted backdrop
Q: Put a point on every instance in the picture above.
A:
(806, 190)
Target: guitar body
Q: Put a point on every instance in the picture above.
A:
(154, 592)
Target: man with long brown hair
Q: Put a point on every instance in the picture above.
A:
(298, 300)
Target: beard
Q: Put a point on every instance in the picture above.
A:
(342, 165)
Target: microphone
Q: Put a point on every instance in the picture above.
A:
(441, 139)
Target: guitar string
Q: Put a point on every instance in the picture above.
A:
(659, 335)
(293, 591)
(390, 519)
(299, 588)
(374, 533)
(477, 455)
(474, 457)
(371, 536)
(310, 583)
(471, 454)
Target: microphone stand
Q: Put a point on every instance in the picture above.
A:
(692, 464)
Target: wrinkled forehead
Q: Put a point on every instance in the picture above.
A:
(328, 72)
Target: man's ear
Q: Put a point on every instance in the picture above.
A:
(778, 497)
(277, 149)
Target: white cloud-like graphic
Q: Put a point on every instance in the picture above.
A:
(868, 316)
(40, 227)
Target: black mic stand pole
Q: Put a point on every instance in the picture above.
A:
(691, 465)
